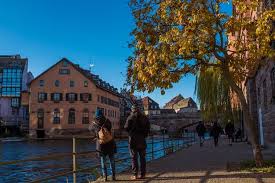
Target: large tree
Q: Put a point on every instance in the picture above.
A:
(172, 38)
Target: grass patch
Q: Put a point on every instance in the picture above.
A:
(269, 166)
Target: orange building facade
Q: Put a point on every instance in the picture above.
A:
(63, 100)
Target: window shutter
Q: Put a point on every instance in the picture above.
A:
(67, 96)
(61, 96)
(45, 96)
(75, 96)
(52, 96)
(81, 97)
(90, 97)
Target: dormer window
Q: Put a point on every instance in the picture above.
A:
(65, 64)
(57, 83)
(64, 71)
(85, 83)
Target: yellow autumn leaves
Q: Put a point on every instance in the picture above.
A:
(172, 38)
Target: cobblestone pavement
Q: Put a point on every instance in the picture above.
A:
(205, 164)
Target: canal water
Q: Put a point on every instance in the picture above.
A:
(29, 171)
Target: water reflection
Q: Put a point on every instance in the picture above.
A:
(24, 172)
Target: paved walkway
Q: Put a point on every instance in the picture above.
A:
(205, 164)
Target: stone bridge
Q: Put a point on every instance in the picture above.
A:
(175, 122)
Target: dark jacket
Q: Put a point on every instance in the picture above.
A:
(229, 129)
(200, 129)
(215, 130)
(138, 128)
(110, 147)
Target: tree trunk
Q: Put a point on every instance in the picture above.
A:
(249, 121)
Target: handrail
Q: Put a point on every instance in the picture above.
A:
(54, 156)
(36, 159)
(165, 140)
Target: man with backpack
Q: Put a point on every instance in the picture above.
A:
(138, 128)
(105, 144)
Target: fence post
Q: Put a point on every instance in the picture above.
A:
(74, 161)
(182, 135)
(178, 141)
(172, 144)
(152, 145)
(163, 146)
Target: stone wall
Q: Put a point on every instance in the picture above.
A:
(259, 95)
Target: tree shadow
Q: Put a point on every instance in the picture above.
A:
(208, 176)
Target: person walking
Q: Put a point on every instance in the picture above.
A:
(230, 130)
(201, 131)
(138, 128)
(215, 133)
(105, 144)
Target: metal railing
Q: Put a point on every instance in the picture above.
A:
(167, 147)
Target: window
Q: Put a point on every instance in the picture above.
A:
(56, 116)
(40, 113)
(265, 94)
(71, 83)
(57, 83)
(86, 97)
(41, 83)
(64, 71)
(71, 118)
(65, 64)
(10, 81)
(56, 97)
(42, 97)
(101, 109)
(71, 97)
(15, 102)
(85, 83)
(85, 116)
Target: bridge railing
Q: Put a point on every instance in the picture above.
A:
(169, 145)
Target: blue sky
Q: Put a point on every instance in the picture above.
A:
(83, 31)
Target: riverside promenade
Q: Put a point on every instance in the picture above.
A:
(207, 164)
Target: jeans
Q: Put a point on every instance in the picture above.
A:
(103, 165)
(142, 157)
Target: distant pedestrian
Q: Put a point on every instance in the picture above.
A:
(138, 128)
(105, 144)
(230, 130)
(215, 133)
(201, 131)
(238, 135)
